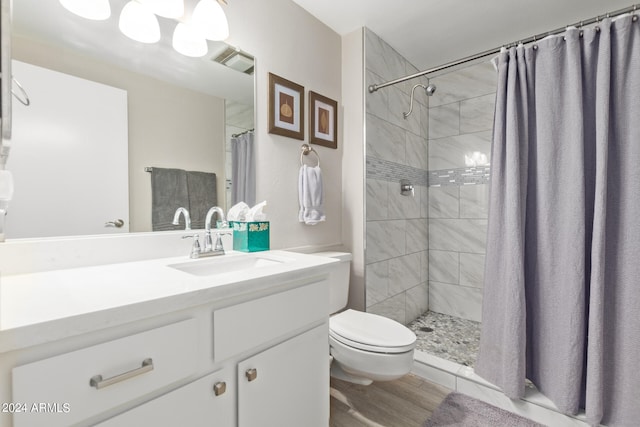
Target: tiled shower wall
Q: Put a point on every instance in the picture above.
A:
(396, 226)
(460, 128)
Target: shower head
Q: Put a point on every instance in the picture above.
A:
(430, 89)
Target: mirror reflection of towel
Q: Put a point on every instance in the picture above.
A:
(174, 188)
(168, 192)
(202, 196)
(310, 194)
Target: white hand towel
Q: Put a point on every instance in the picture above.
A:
(310, 195)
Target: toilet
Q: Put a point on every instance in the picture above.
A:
(365, 347)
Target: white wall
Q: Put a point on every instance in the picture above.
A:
(287, 41)
(353, 162)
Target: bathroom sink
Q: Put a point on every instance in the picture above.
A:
(227, 264)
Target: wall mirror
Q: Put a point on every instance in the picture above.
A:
(178, 112)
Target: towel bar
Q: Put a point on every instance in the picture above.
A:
(305, 150)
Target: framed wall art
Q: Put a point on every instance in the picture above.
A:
(286, 107)
(323, 120)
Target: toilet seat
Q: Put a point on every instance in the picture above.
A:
(371, 332)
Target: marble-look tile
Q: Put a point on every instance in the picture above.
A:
(417, 302)
(377, 277)
(424, 201)
(393, 308)
(377, 199)
(454, 152)
(444, 202)
(417, 151)
(472, 269)
(476, 114)
(474, 201)
(424, 264)
(455, 300)
(403, 207)
(444, 121)
(377, 103)
(398, 104)
(385, 240)
(381, 58)
(459, 235)
(404, 273)
(444, 266)
(424, 122)
(417, 235)
(385, 140)
(470, 82)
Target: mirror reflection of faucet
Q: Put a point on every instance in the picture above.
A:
(187, 218)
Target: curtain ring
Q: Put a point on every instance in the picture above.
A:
(634, 17)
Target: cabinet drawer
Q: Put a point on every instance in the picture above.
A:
(194, 405)
(248, 325)
(63, 383)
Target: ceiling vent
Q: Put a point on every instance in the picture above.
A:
(236, 59)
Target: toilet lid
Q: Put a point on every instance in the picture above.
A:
(371, 332)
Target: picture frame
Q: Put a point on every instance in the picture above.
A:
(323, 120)
(286, 107)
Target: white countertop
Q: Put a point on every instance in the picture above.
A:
(51, 305)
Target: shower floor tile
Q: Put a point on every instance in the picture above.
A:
(448, 337)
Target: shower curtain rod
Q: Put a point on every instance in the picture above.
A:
(634, 8)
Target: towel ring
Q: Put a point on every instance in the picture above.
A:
(305, 150)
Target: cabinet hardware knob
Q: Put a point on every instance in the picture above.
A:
(251, 374)
(98, 382)
(219, 388)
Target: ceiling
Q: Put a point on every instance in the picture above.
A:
(429, 33)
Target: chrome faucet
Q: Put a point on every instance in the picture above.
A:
(187, 218)
(208, 244)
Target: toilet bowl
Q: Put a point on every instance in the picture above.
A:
(365, 347)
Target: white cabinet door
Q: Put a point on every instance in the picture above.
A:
(287, 385)
(194, 405)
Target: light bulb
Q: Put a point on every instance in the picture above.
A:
(138, 23)
(188, 41)
(98, 10)
(209, 19)
(165, 8)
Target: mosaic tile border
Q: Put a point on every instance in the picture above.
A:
(459, 176)
(385, 170)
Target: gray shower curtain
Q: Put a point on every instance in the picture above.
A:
(562, 276)
(243, 164)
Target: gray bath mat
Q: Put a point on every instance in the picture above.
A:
(458, 410)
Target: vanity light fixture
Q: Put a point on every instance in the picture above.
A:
(210, 20)
(139, 23)
(97, 10)
(188, 41)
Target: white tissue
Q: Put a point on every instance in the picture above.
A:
(256, 214)
(6, 185)
(238, 212)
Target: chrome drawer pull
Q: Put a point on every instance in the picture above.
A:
(97, 381)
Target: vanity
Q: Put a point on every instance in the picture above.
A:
(235, 340)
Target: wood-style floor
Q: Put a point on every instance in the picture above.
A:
(406, 402)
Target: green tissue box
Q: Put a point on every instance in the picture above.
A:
(251, 236)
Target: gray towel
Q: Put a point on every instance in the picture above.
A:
(169, 191)
(201, 187)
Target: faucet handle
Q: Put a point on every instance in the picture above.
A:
(219, 246)
(195, 248)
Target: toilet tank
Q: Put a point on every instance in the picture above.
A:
(338, 279)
